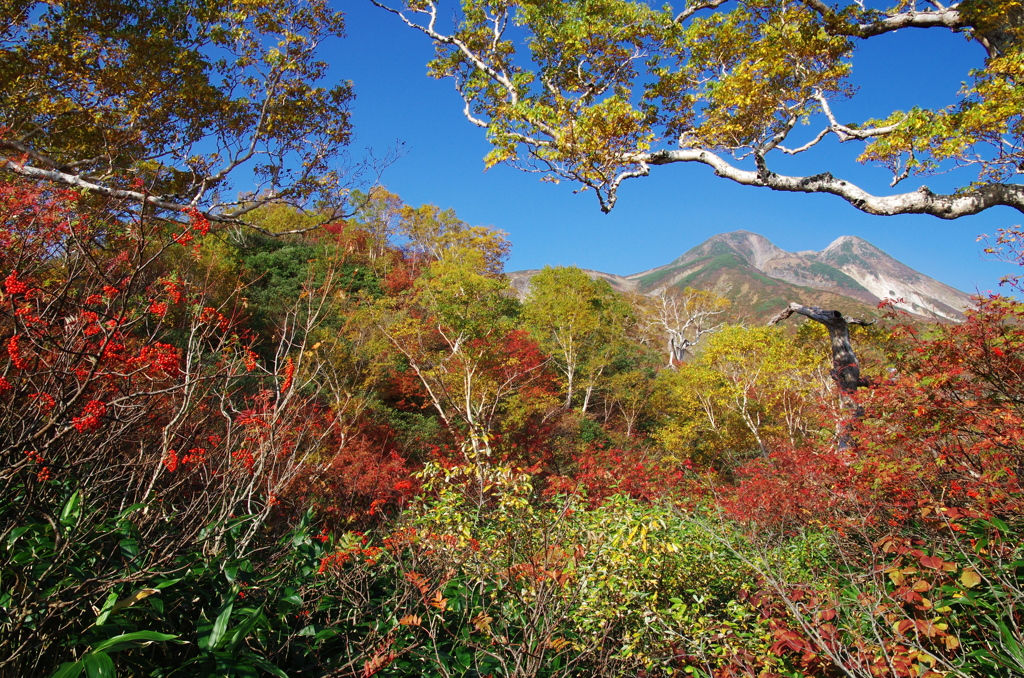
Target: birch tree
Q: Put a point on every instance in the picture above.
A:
(600, 91)
(748, 389)
(575, 320)
(680, 318)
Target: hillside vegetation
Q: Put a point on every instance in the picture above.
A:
(353, 452)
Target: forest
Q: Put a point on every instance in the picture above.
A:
(311, 429)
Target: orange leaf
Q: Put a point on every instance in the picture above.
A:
(902, 626)
(439, 602)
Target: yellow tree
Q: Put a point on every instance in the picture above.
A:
(601, 91)
(747, 384)
(456, 329)
(378, 216)
(439, 234)
(160, 103)
(577, 321)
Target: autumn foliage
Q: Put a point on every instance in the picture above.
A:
(308, 430)
(328, 450)
(944, 430)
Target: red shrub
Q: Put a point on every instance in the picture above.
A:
(945, 430)
(600, 473)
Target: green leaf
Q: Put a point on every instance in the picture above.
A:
(220, 626)
(300, 536)
(72, 510)
(133, 639)
(69, 670)
(165, 583)
(99, 665)
(243, 670)
(129, 510)
(1015, 649)
(108, 605)
(293, 600)
(15, 534)
(226, 663)
(243, 629)
(1000, 525)
(262, 663)
(129, 549)
(325, 634)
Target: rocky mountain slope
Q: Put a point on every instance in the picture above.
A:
(851, 274)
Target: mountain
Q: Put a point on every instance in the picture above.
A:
(851, 274)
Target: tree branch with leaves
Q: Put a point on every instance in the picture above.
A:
(597, 93)
(160, 104)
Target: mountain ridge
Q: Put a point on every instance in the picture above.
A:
(758, 275)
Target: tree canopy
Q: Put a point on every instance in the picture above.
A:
(600, 91)
(161, 102)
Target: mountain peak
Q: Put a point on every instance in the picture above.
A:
(754, 248)
(739, 234)
(850, 244)
(843, 240)
(850, 267)
(849, 250)
(760, 278)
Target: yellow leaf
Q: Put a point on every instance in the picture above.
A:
(482, 622)
(557, 644)
(970, 578)
(141, 594)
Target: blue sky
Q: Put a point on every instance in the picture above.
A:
(659, 217)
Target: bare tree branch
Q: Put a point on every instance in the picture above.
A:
(696, 7)
(922, 201)
(941, 17)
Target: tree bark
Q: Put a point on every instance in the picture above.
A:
(971, 200)
(845, 367)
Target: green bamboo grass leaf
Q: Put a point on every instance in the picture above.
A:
(133, 639)
(220, 626)
(255, 616)
(108, 607)
(99, 665)
(69, 670)
(261, 663)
